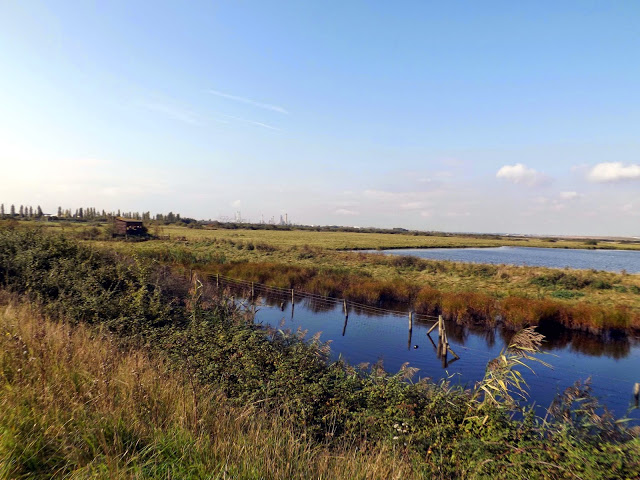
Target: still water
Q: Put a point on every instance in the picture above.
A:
(609, 260)
(613, 364)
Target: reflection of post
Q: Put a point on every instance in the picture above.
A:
(636, 393)
(346, 316)
(440, 334)
(409, 341)
(292, 308)
(443, 343)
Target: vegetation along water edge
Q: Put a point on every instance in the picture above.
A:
(117, 365)
(588, 300)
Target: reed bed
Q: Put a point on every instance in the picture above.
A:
(463, 306)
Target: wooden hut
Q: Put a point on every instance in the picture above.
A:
(127, 226)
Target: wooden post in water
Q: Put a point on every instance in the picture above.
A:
(410, 320)
(217, 280)
(636, 393)
(346, 310)
(440, 333)
(292, 298)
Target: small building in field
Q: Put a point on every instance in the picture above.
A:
(127, 226)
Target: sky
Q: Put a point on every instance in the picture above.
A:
(460, 116)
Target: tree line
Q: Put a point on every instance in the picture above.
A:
(89, 214)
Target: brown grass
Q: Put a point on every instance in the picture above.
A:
(464, 306)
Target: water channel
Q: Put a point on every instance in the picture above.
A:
(612, 363)
(608, 260)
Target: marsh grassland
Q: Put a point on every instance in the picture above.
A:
(111, 366)
(318, 263)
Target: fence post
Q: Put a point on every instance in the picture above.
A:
(217, 280)
(292, 297)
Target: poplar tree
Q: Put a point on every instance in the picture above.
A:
(13, 210)
(1, 210)
(39, 213)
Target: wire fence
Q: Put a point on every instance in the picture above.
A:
(289, 294)
(292, 294)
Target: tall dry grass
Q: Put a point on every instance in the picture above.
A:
(464, 306)
(75, 405)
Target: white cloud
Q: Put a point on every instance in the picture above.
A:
(570, 195)
(266, 106)
(522, 175)
(614, 172)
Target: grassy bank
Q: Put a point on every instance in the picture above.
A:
(343, 240)
(373, 241)
(578, 299)
(74, 405)
(149, 373)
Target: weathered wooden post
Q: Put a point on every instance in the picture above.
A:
(410, 320)
(217, 280)
(440, 335)
(292, 297)
(636, 393)
(344, 306)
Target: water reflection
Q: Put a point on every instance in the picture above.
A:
(364, 335)
(556, 337)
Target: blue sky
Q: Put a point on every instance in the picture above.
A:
(457, 116)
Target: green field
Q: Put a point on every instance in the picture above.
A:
(372, 241)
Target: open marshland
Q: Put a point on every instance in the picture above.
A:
(517, 295)
(363, 241)
(119, 367)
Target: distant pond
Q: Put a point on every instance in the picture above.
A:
(608, 260)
